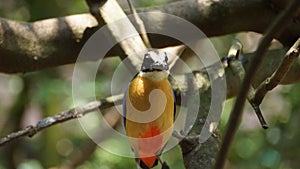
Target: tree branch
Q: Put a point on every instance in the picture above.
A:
(26, 47)
(128, 38)
(256, 96)
(274, 29)
(61, 117)
(271, 82)
(140, 24)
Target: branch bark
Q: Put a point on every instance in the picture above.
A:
(26, 47)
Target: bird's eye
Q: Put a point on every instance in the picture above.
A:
(147, 56)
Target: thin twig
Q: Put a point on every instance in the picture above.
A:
(176, 51)
(123, 32)
(236, 65)
(140, 24)
(74, 113)
(271, 82)
(274, 29)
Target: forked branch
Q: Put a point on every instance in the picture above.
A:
(283, 19)
(271, 82)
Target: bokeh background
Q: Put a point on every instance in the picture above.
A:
(26, 98)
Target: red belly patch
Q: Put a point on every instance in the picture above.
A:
(150, 142)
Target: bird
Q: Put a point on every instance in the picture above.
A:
(149, 110)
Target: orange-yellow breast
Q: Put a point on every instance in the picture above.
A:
(147, 138)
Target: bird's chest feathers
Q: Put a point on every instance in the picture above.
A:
(143, 92)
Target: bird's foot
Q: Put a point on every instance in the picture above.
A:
(165, 166)
(178, 135)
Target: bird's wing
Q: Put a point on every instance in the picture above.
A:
(171, 79)
(174, 103)
(124, 105)
(124, 100)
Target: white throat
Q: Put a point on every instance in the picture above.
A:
(155, 75)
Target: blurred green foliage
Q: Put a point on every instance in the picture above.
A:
(24, 99)
(274, 148)
(32, 10)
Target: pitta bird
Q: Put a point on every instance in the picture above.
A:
(149, 109)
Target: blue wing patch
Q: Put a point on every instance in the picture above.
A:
(124, 105)
(174, 101)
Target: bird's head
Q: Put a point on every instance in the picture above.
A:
(155, 60)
